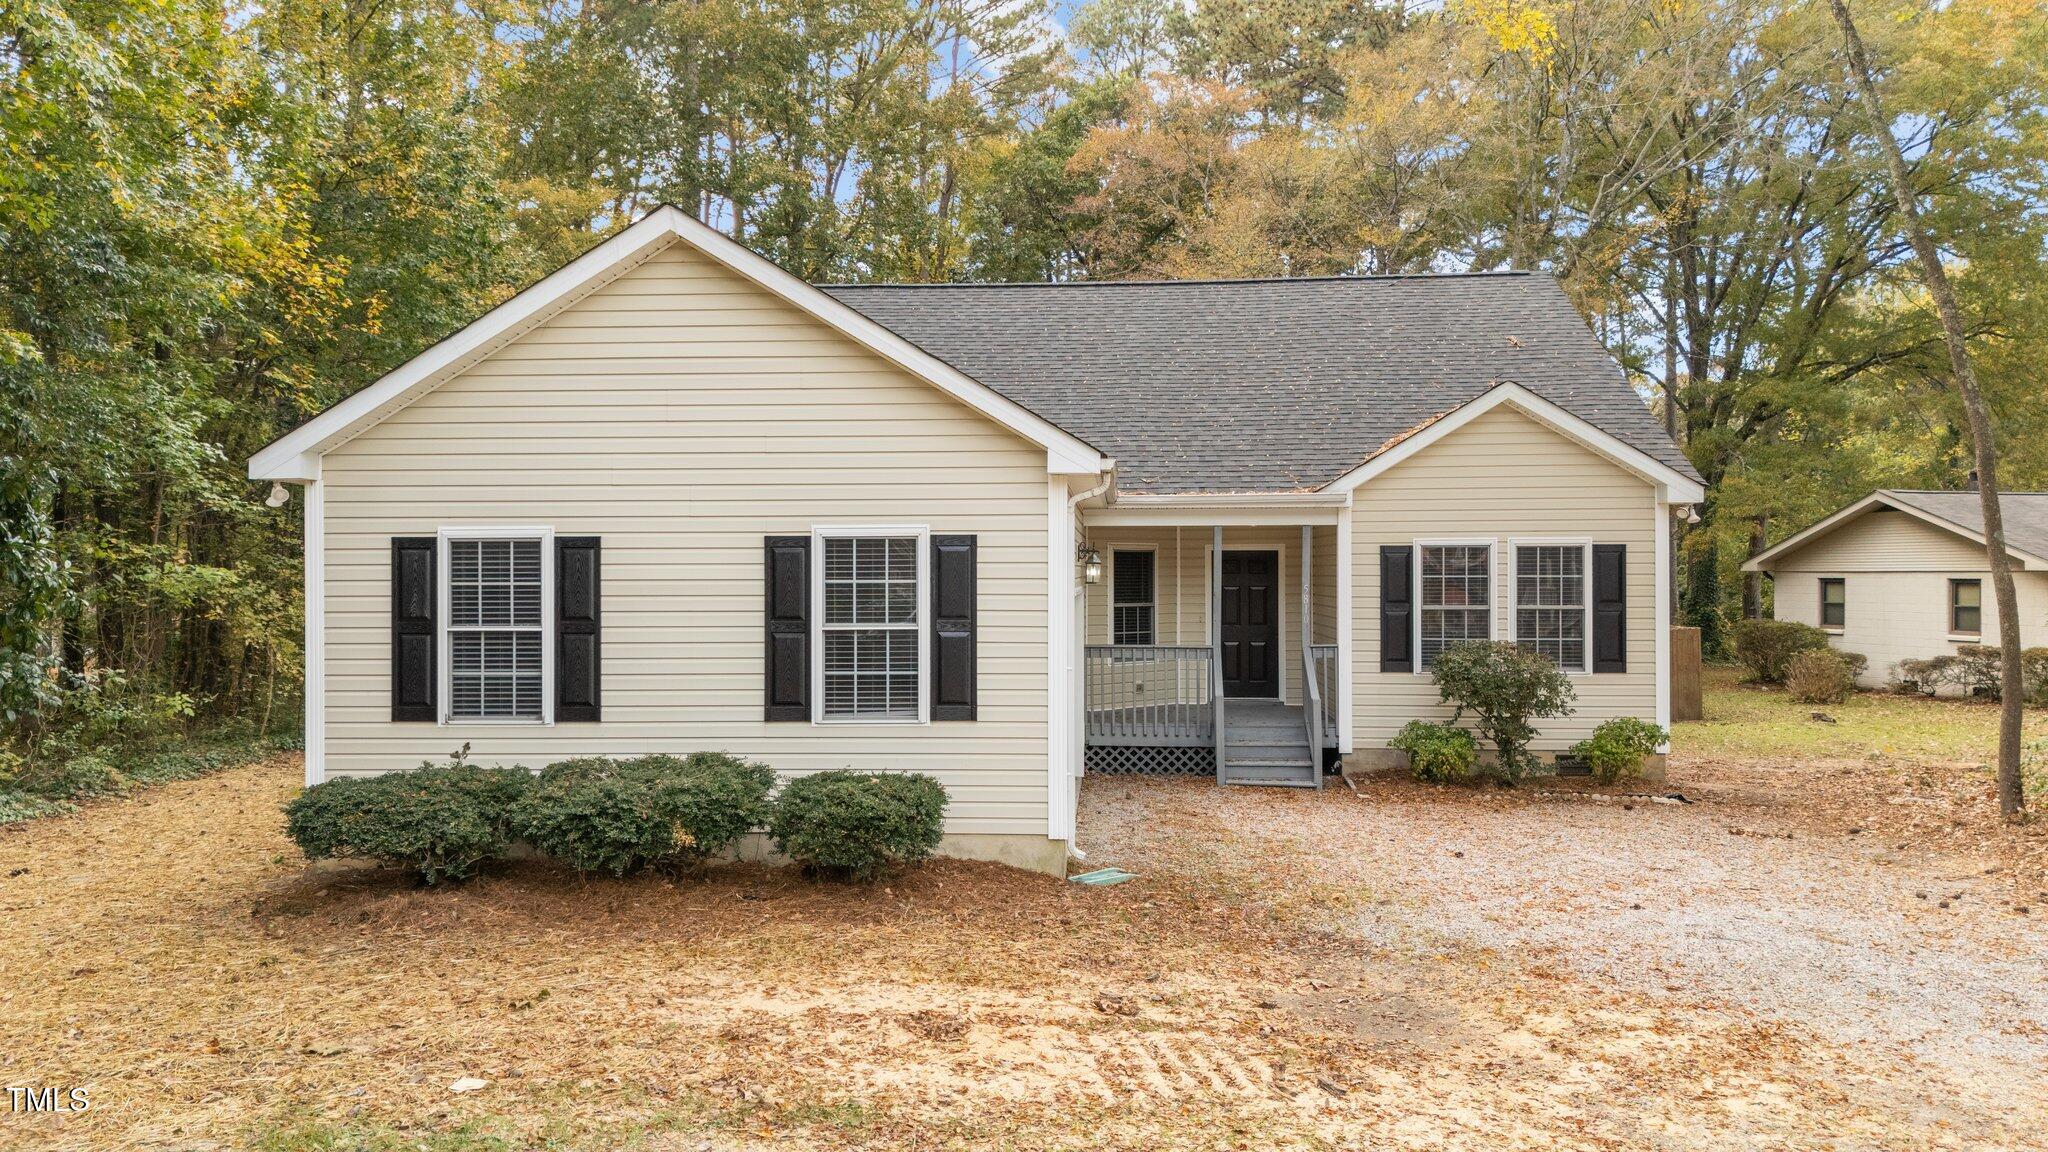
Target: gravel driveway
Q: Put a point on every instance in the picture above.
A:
(1912, 980)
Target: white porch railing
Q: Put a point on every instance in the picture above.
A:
(1149, 695)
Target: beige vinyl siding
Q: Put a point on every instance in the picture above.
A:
(1502, 477)
(1895, 571)
(1182, 584)
(1323, 561)
(682, 414)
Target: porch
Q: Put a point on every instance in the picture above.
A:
(1211, 649)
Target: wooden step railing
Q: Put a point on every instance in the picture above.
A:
(1149, 695)
(1323, 673)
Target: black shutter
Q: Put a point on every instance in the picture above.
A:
(412, 628)
(1610, 608)
(953, 598)
(787, 575)
(579, 640)
(1397, 608)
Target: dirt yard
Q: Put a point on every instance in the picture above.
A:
(1390, 967)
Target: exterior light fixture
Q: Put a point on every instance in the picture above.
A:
(1091, 566)
(279, 496)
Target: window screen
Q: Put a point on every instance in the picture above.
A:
(1454, 597)
(1550, 602)
(1834, 603)
(1965, 606)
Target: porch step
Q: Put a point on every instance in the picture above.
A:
(1283, 773)
(1266, 752)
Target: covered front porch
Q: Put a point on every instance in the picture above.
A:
(1212, 647)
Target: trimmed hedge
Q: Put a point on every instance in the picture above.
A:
(1766, 647)
(1819, 676)
(619, 816)
(858, 823)
(1437, 753)
(439, 821)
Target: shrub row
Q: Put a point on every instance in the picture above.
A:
(1976, 669)
(616, 816)
(1445, 753)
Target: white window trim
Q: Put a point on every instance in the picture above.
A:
(444, 668)
(1493, 595)
(1820, 604)
(1585, 546)
(1113, 550)
(824, 532)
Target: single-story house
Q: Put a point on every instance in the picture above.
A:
(1903, 575)
(673, 498)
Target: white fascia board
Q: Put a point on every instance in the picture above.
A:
(1761, 561)
(1675, 486)
(1124, 514)
(285, 458)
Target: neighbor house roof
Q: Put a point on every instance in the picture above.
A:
(1218, 386)
(2025, 515)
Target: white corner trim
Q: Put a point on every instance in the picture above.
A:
(315, 755)
(444, 667)
(1344, 633)
(823, 532)
(1060, 792)
(292, 456)
(1663, 618)
(1835, 520)
(1676, 487)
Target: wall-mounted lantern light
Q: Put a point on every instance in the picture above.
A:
(1091, 566)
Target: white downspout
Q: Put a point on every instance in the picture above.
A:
(1072, 797)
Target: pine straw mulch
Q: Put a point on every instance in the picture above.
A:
(173, 954)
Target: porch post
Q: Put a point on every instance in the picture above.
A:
(1216, 639)
(1307, 599)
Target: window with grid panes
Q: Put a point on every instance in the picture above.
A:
(870, 628)
(1453, 600)
(496, 633)
(1132, 608)
(1550, 602)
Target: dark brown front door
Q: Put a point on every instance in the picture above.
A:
(1251, 623)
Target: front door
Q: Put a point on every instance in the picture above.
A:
(1251, 624)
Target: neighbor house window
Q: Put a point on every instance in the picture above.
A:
(1455, 597)
(870, 635)
(1550, 602)
(1133, 587)
(1834, 603)
(1965, 606)
(496, 636)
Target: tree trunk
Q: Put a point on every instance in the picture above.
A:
(2011, 797)
(1753, 582)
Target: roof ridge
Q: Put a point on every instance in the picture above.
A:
(1964, 491)
(1497, 274)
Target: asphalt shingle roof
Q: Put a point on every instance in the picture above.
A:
(2025, 513)
(1264, 385)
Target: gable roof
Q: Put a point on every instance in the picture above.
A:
(1226, 386)
(296, 454)
(2025, 515)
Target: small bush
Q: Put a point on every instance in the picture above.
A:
(1505, 686)
(1819, 676)
(1766, 647)
(71, 778)
(1437, 753)
(18, 806)
(1856, 661)
(619, 816)
(441, 822)
(858, 823)
(1617, 748)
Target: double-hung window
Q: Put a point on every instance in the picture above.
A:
(1834, 601)
(1133, 607)
(1965, 606)
(871, 634)
(495, 643)
(1455, 597)
(1551, 603)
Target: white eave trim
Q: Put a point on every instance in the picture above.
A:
(1673, 485)
(295, 455)
(1761, 561)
